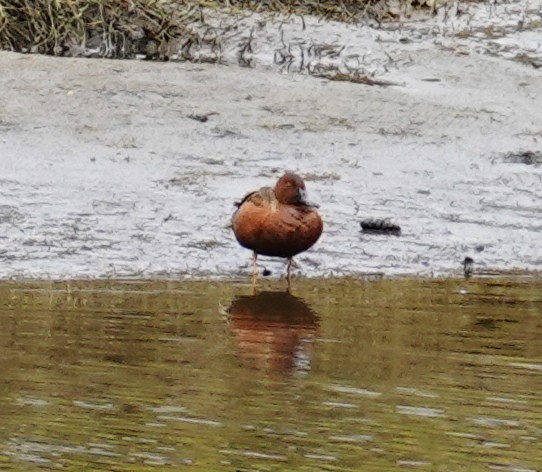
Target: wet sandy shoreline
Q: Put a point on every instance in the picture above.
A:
(105, 173)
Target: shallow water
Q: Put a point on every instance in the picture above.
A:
(342, 375)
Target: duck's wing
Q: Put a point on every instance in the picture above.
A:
(253, 207)
(247, 197)
(262, 197)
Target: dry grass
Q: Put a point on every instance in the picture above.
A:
(343, 10)
(109, 28)
(354, 77)
(124, 28)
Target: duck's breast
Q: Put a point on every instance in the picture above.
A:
(273, 229)
(294, 229)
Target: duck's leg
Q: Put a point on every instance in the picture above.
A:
(288, 272)
(254, 268)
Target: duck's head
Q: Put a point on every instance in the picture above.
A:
(290, 190)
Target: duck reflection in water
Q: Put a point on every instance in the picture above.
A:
(274, 331)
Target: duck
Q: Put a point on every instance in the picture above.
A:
(277, 222)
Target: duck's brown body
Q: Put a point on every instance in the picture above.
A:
(276, 229)
(277, 222)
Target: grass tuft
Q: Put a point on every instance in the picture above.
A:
(156, 29)
(105, 28)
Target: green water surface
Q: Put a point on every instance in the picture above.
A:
(341, 375)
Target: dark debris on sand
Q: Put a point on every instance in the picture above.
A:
(380, 226)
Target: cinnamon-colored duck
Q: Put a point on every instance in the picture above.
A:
(277, 222)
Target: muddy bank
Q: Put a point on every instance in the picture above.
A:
(105, 171)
